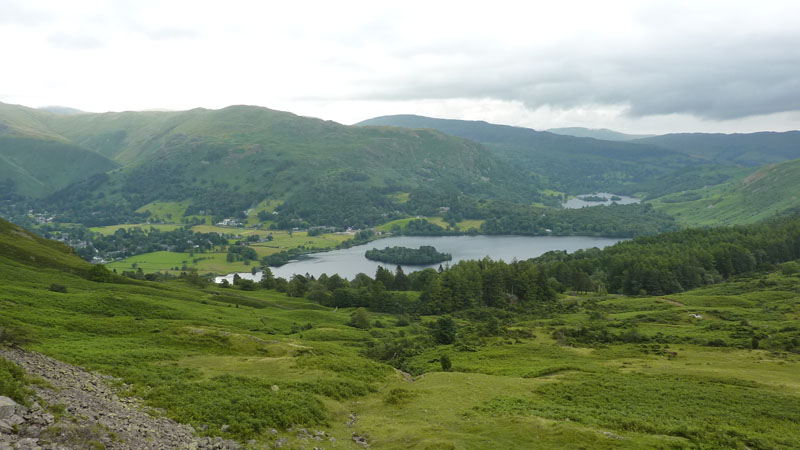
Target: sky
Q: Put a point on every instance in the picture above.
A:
(632, 66)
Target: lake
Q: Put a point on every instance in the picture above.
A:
(350, 262)
(578, 202)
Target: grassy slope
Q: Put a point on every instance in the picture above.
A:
(761, 194)
(208, 362)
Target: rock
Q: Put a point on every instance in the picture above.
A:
(94, 413)
(7, 407)
(612, 435)
(280, 442)
(15, 420)
(361, 440)
(6, 427)
(275, 388)
(225, 428)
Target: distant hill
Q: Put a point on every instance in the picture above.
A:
(35, 161)
(597, 133)
(571, 164)
(766, 192)
(754, 149)
(65, 110)
(224, 161)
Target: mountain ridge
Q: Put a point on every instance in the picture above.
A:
(598, 133)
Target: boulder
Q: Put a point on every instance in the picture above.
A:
(8, 407)
(6, 427)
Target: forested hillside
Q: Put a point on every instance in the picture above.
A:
(565, 163)
(223, 161)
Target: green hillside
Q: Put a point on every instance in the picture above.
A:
(710, 368)
(34, 161)
(19, 246)
(754, 149)
(566, 163)
(747, 198)
(225, 161)
(37, 167)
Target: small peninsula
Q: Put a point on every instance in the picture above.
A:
(426, 254)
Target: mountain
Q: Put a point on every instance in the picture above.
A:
(65, 110)
(224, 161)
(35, 161)
(571, 164)
(597, 133)
(754, 149)
(747, 198)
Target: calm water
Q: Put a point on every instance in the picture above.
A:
(349, 262)
(577, 202)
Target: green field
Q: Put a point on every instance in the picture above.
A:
(645, 375)
(216, 262)
(463, 225)
(265, 206)
(110, 229)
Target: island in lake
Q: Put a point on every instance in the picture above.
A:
(426, 254)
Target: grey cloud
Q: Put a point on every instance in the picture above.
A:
(713, 80)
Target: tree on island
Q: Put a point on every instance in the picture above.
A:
(404, 255)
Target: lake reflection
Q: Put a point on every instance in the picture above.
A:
(349, 262)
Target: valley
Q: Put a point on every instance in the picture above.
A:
(640, 292)
(714, 366)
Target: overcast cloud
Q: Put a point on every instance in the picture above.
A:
(635, 66)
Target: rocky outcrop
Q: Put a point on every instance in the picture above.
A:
(91, 413)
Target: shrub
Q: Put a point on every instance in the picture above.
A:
(444, 331)
(360, 319)
(13, 336)
(12, 382)
(790, 268)
(100, 274)
(55, 287)
(446, 363)
(398, 396)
